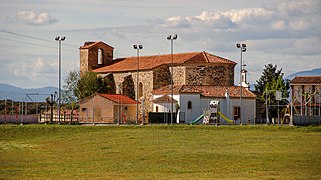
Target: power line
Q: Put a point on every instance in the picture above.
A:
(28, 43)
(33, 37)
(35, 44)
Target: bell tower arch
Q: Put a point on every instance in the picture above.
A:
(94, 55)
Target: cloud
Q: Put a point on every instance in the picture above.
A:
(34, 18)
(296, 21)
(205, 19)
(288, 15)
(34, 69)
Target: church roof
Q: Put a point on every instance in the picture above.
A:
(206, 91)
(88, 44)
(306, 80)
(150, 62)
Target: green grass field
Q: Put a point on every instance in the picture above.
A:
(159, 152)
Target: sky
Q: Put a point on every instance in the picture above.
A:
(285, 33)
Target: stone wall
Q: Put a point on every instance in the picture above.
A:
(90, 58)
(179, 73)
(84, 61)
(145, 77)
(162, 77)
(218, 75)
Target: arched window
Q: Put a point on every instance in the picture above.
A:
(189, 105)
(156, 108)
(100, 56)
(243, 77)
(140, 90)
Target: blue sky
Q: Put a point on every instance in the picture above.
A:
(283, 32)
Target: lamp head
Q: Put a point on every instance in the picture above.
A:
(169, 37)
(238, 45)
(243, 49)
(63, 38)
(57, 38)
(175, 36)
(244, 45)
(140, 46)
(135, 46)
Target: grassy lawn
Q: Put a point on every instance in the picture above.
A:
(159, 152)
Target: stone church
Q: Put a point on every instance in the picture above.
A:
(154, 72)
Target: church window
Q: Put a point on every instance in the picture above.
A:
(237, 113)
(189, 105)
(140, 90)
(100, 56)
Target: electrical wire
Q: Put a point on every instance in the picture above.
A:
(35, 44)
(35, 38)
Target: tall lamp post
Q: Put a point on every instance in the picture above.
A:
(137, 47)
(59, 39)
(172, 38)
(242, 47)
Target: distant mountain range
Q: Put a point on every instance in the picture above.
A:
(313, 72)
(19, 94)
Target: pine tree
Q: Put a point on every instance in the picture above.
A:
(271, 81)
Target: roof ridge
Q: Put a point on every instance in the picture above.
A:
(182, 85)
(308, 76)
(93, 43)
(157, 55)
(101, 95)
(205, 55)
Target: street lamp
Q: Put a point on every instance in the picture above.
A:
(242, 47)
(59, 39)
(172, 38)
(137, 47)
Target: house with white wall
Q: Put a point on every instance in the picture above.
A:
(194, 99)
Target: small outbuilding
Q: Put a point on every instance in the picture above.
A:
(107, 108)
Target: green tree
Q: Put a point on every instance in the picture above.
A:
(90, 83)
(271, 81)
(69, 93)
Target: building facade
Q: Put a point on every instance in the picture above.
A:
(154, 72)
(306, 95)
(194, 100)
(107, 108)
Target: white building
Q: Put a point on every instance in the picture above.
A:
(194, 99)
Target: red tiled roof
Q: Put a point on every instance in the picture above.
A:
(306, 80)
(88, 45)
(164, 99)
(167, 89)
(118, 98)
(207, 91)
(150, 62)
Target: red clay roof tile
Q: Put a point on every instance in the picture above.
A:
(207, 91)
(118, 98)
(164, 99)
(150, 62)
(306, 80)
(88, 45)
